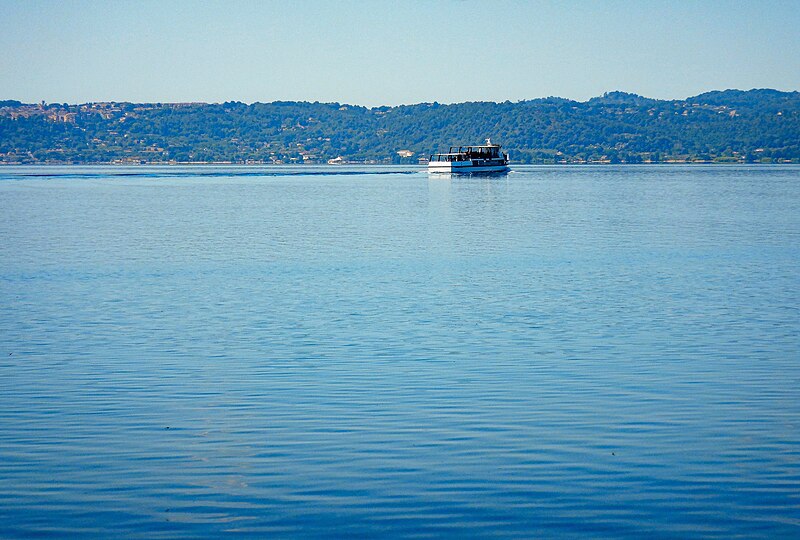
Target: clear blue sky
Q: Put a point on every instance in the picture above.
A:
(387, 53)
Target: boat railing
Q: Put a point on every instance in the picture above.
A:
(454, 156)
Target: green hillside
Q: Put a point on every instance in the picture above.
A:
(726, 126)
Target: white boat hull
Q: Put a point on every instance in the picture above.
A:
(464, 167)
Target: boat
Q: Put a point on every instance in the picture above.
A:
(484, 158)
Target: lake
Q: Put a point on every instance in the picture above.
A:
(595, 351)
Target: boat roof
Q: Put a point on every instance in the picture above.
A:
(487, 145)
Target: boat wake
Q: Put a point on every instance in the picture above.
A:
(189, 172)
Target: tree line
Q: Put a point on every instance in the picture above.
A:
(617, 127)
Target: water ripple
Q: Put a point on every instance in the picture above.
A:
(590, 351)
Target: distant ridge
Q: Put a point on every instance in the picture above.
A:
(759, 125)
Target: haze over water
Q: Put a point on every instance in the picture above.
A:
(594, 351)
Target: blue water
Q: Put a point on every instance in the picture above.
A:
(576, 351)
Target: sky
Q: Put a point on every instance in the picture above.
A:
(376, 53)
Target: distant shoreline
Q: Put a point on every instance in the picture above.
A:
(356, 164)
(753, 126)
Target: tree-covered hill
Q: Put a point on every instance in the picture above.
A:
(731, 125)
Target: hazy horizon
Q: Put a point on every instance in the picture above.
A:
(59, 102)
